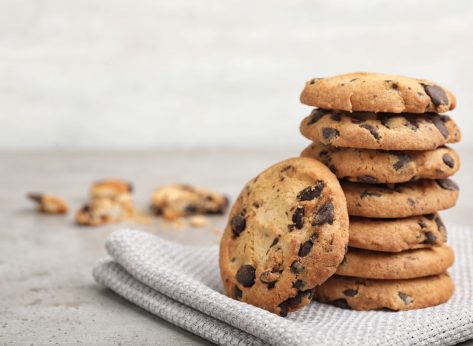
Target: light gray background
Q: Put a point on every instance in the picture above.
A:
(156, 74)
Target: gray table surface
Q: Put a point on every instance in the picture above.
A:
(47, 294)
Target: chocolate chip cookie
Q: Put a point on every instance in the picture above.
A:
(385, 131)
(49, 204)
(376, 92)
(400, 200)
(175, 200)
(395, 235)
(382, 166)
(400, 265)
(366, 294)
(287, 233)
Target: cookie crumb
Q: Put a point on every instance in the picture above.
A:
(49, 204)
(198, 221)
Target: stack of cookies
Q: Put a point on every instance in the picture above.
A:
(384, 139)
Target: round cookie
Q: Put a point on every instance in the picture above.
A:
(384, 131)
(399, 200)
(381, 166)
(366, 294)
(287, 233)
(400, 265)
(376, 92)
(396, 235)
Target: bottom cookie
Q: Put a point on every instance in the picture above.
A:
(369, 294)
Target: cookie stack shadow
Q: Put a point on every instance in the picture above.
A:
(384, 137)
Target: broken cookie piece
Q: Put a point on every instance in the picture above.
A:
(175, 200)
(49, 204)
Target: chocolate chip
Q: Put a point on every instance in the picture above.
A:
(402, 160)
(305, 248)
(316, 115)
(352, 80)
(439, 124)
(368, 179)
(430, 238)
(373, 130)
(384, 119)
(297, 267)
(350, 292)
(356, 120)
(429, 216)
(190, 209)
(436, 94)
(364, 194)
(311, 192)
(412, 123)
(295, 301)
(324, 214)
(329, 133)
(237, 293)
(298, 217)
(238, 224)
(448, 160)
(422, 224)
(440, 224)
(407, 299)
(298, 284)
(336, 116)
(275, 241)
(341, 303)
(447, 184)
(246, 275)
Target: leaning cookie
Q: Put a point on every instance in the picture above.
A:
(366, 294)
(402, 265)
(396, 235)
(287, 233)
(384, 131)
(381, 166)
(376, 92)
(400, 200)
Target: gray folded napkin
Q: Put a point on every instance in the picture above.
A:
(181, 284)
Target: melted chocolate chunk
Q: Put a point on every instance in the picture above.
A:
(368, 179)
(448, 160)
(440, 224)
(305, 248)
(237, 293)
(436, 94)
(350, 292)
(297, 267)
(190, 209)
(429, 216)
(384, 119)
(298, 217)
(329, 133)
(324, 214)
(336, 116)
(430, 238)
(422, 224)
(311, 192)
(238, 224)
(402, 160)
(412, 123)
(341, 303)
(295, 301)
(246, 275)
(275, 241)
(439, 124)
(407, 299)
(364, 194)
(298, 284)
(316, 115)
(447, 184)
(373, 130)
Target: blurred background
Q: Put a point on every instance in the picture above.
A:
(122, 74)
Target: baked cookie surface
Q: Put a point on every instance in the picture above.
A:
(381, 166)
(400, 200)
(177, 200)
(366, 294)
(376, 92)
(400, 265)
(385, 131)
(287, 233)
(396, 235)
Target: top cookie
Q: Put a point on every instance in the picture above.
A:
(287, 233)
(376, 92)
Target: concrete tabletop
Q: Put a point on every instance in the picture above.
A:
(47, 293)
